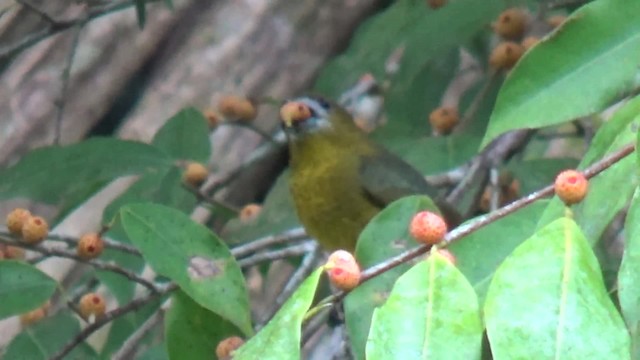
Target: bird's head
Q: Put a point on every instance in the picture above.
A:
(306, 116)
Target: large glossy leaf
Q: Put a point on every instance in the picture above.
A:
(54, 174)
(280, 338)
(479, 254)
(386, 235)
(601, 204)
(185, 136)
(548, 301)
(578, 70)
(193, 332)
(22, 288)
(46, 338)
(192, 256)
(629, 275)
(431, 313)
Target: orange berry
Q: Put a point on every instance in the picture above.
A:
(448, 255)
(427, 227)
(213, 118)
(34, 230)
(14, 252)
(556, 20)
(90, 246)
(16, 219)
(33, 316)
(195, 174)
(294, 111)
(571, 186)
(511, 23)
(92, 305)
(237, 108)
(529, 42)
(435, 4)
(343, 270)
(227, 346)
(444, 119)
(250, 212)
(505, 55)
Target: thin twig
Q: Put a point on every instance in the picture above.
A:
(57, 26)
(128, 349)
(93, 262)
(66, 72)
(259, 244)
(307, 264)
(110, 316)
(482, 221)
(249, 126)
(73, 242)
(295, 250)
(201, 196)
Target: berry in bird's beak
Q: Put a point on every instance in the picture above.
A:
(294, 111)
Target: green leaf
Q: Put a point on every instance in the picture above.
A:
(278, 215)
(52, 174)
(44, 339)
(22, 287)
(386, 235)
(193, 332)
(601, 204)
(629, 275)
(548, 301)
(156, 352)
(432, 313)
(479, 254)
(185, 136)
(578, 70)
(141, 12)
(280, 338)
(188, 253)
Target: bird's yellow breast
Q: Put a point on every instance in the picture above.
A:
(329, 198)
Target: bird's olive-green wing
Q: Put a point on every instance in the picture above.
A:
(386, 178)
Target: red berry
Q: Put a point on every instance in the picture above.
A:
(195, 174)
(506, 55)
(571, 186)
(16, 219)
(227, 346)
(294, 111)
(90, 246)
(237, 108)
(427, 227)
(34, 230)
(343, 270)
(250, 213)
(444, 119)
(511, 23)
(92, 305)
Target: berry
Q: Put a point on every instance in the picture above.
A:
(250, 212)
(237, 108)
(227, 346)
(195, 174)
(34, 230)
(448, 255)
(435, 4)
(510, 24)
(14, 252)
(529, 42)
(92, 305)
(571, 186)
(427, 227)
(443, 119)
(294, 111)
(33, 316)
(505, 55)
(343, 270)
(213, 118)
(556, 20)
(16, 219)
(90, 246)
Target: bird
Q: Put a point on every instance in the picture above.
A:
(340, 178)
